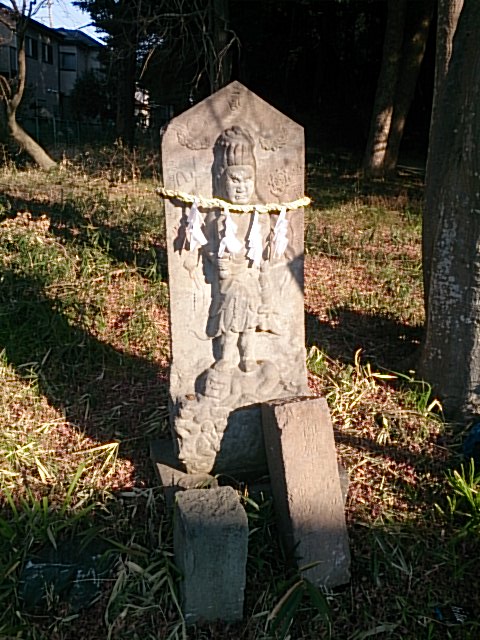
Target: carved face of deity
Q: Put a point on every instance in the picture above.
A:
(239, 183)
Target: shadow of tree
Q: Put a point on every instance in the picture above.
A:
(105, 393)
(388, 344)
(383, 340)
(138, 241)
(334, 180)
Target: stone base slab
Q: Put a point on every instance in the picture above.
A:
(306, 487)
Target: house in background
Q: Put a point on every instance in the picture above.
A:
(55, 59)
(78, 54)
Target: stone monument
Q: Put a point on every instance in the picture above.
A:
(233, 173)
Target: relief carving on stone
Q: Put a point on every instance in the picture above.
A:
(192, 137)
(243, 273)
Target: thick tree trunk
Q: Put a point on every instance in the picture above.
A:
(26, 142)
(451, 355)
(373, 163)
(414, 51)
(448, 14)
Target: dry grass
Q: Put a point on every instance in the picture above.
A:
(83, 385)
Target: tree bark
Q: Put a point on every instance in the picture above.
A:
(451, 353)
(414, 51)
(220, 59)
(373, 163)
(448, 14)
(126, 77)
(26, 142)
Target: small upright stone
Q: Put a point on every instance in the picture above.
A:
(210, 545)
(306, 487)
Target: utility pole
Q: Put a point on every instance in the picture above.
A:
(50, 19)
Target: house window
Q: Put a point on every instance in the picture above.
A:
(13, 62)
(31, 47)
(68, 61)
(47, 53)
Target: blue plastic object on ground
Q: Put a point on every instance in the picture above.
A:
(471, 445)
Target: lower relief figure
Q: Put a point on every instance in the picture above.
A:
(240, 310)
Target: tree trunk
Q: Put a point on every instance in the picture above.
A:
(451, 354)
(125, 121)
(26, 142)
(414, 51)
(13, 99)
(220, 58)
(373, 162)
(448, 14)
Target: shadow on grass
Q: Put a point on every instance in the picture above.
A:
(384, 341)
(389, 346)
(335, 179)
(138, 241)
(105, 393)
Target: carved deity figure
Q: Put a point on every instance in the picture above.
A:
(234, 312)
(242, 305)
(237, 299)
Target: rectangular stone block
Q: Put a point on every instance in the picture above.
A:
(210, 546)
(306, 487)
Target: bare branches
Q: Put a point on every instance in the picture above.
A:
(5, 89)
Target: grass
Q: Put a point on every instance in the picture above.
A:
(84, 351)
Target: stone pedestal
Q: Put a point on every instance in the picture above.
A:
(306, 487)
(210, 544)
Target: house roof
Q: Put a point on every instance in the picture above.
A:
(74, 36)
(9, 20)
(67, 36)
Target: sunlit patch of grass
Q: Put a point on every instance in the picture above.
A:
(39, 449)
(24, 422)
(463, 498)
(386, 433)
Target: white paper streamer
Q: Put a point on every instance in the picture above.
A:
(254, 241)
(195, 234)
(229, 240)
(280, 240)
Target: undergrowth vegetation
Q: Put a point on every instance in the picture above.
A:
(84, 350)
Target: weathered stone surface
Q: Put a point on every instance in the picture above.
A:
(306, 487)
(210, 545)
(172, 478)
(236, 306)
(344, 481)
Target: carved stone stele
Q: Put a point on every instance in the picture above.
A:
(236, 300)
